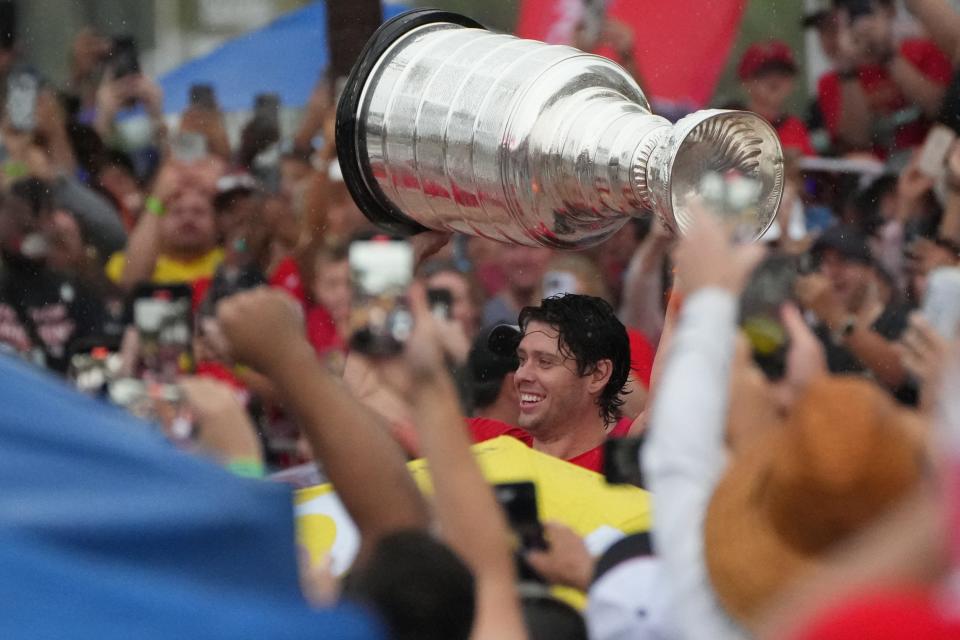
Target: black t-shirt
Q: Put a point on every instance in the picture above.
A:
(43, 313)
(890, 324)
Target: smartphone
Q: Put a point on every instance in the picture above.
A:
(266, 108)
(124, 58)
(23, 86)
(936, 147)
(229, 280)
(441, 303)
(203, 96)
(8, 24)
(770, 286)
(188, 146)
(381, 270)
(163, 317)
(621, 461)
(941, 304)
(519, 502)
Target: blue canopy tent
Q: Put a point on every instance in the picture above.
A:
(284, 57)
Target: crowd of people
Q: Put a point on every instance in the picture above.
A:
(793, 401)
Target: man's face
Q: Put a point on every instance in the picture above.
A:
(332, 288)
(550, 390)
(850, 279)
(189, 227)
(525, 266)
(17, 223)
(241, 211)
(873, 33)
(827, 30)
(463, 309)
(769, 92)
(14, 224)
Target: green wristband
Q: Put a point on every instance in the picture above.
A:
(154, 205)
(246, 467)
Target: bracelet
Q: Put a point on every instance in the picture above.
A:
(246, 467)
(154, 205)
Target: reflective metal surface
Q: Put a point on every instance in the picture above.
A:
(466, 130)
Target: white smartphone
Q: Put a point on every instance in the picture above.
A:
(933, 154)
(941, 305)
(381, 270)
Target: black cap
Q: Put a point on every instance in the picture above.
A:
(845, 240)
(501, 339)
(493, 354)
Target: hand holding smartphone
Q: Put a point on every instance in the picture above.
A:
(519, 502)
(163, 317)
(381, 270)
(932, 160)
(23, 88)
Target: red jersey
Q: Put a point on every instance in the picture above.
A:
(794, 135)
(287, 276)
(885, 96)
(483, 429)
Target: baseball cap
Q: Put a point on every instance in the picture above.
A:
(762, 57)
(501, 340)
(233, 184)
(493, 354)
(845, 240)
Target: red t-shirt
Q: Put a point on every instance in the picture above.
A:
(322, 332)
(287, 276)
(884, 95)
(794, 135)
(483, 429)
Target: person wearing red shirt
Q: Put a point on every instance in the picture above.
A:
(768, 73)
(574, 361)
(881, 97)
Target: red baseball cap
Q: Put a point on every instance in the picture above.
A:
(761, 57)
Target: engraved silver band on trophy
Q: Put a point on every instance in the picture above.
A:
(445, 125)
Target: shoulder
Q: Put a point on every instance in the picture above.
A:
(928, 58)
(482, 429)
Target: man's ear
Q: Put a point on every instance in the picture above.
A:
(600, 376)
(507, 387)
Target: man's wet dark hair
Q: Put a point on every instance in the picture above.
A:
(589, 332)
(420, 588)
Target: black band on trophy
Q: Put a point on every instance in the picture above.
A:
(351, 147)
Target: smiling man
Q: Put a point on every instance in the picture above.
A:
(574, 359)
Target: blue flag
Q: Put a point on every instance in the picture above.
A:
(107, 531)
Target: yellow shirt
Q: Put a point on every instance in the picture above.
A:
(168, 270)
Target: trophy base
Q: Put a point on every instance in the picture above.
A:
(351, 147)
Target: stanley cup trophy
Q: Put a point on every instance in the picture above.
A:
(444, 125)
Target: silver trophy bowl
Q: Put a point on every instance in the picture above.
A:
(444, 125)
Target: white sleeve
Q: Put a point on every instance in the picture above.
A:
(683, 460)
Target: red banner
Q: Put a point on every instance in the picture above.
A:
(681, 46)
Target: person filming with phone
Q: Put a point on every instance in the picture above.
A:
(882, 95)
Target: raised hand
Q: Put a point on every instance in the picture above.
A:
(705, 257)
(264, 328)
